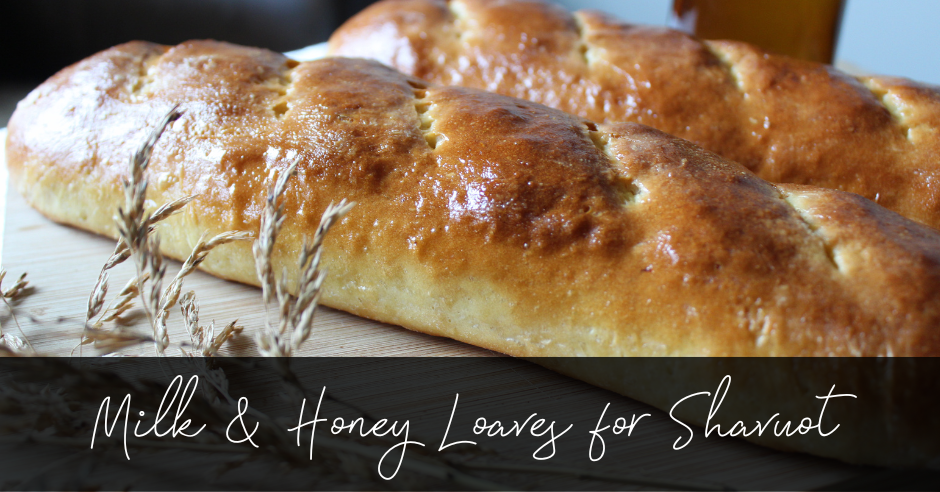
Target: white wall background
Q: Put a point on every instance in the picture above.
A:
(897, 37)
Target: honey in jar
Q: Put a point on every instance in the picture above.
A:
(806, 29)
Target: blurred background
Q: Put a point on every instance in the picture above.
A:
(899, 37)
(896, 37)
(43, 36)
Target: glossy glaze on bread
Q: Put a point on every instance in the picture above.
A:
(481, 217)
(788, 121)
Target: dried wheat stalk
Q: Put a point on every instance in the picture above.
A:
(204, 340)
(9, 341)
(198, 255)
(295, 318)
(272, 218)
(19, 288)
(137, 240)
(99, 292)
(13, 345)
(122, 253)
(134, 226)
(110, 341)
(121, 304)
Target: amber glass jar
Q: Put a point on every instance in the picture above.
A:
(805, 29)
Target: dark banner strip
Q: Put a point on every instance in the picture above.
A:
(469, 423)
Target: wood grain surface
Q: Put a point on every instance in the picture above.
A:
(63, 264)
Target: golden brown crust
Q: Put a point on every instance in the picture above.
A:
(480, 217)
(786, 120)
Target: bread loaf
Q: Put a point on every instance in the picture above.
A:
(499, 222)
(480, 217)
(787, 120)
